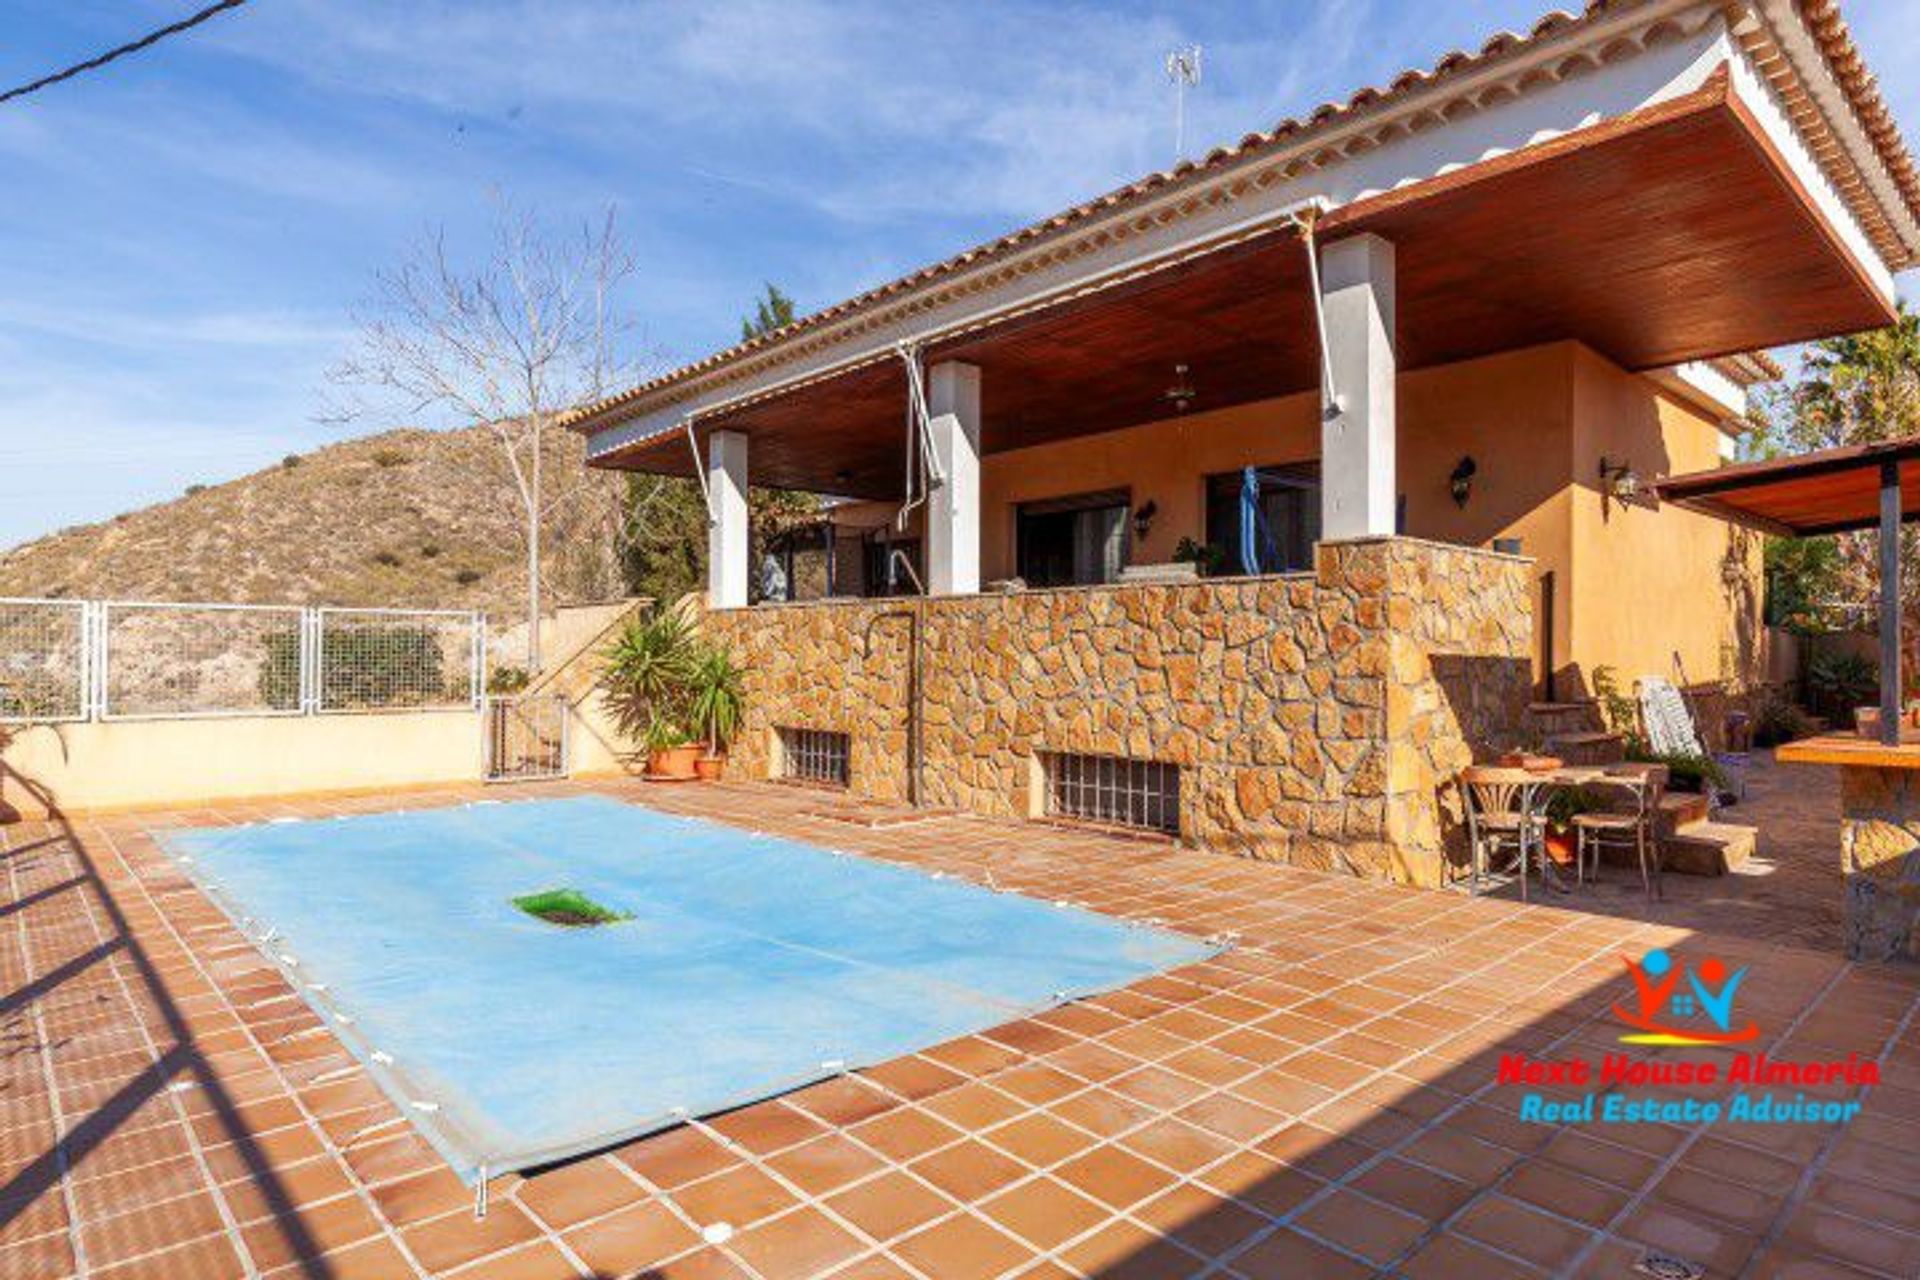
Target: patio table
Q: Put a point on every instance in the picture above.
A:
(1538, 791)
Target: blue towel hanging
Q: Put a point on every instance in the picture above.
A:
(1258, 551)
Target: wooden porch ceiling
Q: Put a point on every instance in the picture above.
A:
(1672, 235)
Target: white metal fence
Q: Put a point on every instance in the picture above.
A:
(124, 660)
(43, 672)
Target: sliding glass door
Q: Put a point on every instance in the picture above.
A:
(1075, 541)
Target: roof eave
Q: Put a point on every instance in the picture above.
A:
(1769, 28)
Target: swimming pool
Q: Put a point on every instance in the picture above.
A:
(750, 965)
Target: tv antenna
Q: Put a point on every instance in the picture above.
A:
(1183, 68)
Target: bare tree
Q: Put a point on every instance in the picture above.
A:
(508, 342)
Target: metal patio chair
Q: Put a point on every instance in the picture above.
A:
(1631, 824)
(1502, 821)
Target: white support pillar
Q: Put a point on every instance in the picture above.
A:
(727, 566)
(1358, 489)
(953, 509)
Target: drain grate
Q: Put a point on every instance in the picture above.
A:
(569, 908)
(1665, 1267)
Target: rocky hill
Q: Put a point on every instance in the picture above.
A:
(405, 518)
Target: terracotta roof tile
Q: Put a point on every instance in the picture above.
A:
(1822, 15)
(1863, 92)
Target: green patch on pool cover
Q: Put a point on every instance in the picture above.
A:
(568, 907)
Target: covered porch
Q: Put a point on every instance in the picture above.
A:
(1352, 321)
(1440, 335)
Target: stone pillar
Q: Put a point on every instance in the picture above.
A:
(953, 509)
(1358, 494)
(1880, 854)
(727, 566)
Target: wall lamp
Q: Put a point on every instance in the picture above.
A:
(1460, 483)
(1618, 480)
(1143, 519)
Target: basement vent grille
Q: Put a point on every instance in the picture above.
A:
(815, 755)
(1114, 791)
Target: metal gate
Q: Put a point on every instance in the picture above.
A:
(526, 738)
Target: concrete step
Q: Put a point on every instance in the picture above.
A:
(1588, 748)
(1679, 810)
(1708, 848)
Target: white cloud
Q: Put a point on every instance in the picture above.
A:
(104, 323)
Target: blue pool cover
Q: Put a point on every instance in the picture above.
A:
(752, 965)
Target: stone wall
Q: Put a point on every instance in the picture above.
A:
(1460, 628)
(1880, 855)
(1316, 718)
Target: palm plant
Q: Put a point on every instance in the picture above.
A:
(648, 674)
(718, 698)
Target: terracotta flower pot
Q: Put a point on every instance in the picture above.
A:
(1561, 848)
(710, 767)
(673, 762)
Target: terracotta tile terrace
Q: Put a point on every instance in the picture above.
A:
(1321, 1100)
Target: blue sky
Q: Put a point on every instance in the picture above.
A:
(187, 230)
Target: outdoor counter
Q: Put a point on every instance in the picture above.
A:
(1879, 837)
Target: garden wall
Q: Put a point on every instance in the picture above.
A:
(175, 762)
(1314, 717)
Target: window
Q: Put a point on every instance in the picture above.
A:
(799, 564)
(1077, 541)
(815, 755)
(1114, 791)
(1289, 517)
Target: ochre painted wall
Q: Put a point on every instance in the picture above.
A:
(1167, 462)
(1632, 587)
(1652, 584)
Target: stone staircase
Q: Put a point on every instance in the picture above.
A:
(1692, 841)
(1574, 732)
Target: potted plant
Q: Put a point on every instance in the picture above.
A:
(715, 706)
(1567, 803)
(647, 682)
(671, 750)
(1208, 560)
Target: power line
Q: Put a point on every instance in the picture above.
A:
(151, 38)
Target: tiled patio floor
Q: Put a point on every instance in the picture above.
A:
(1790, 891)
(1320, 1101)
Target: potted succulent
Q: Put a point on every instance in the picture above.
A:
(715, 706)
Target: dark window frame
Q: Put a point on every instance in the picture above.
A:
(1222, 526)
(1025, 557)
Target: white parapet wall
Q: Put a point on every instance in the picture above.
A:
(89, 767)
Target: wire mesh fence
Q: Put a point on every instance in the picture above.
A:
(117, 660)
(199, 659)
(377, 659)
(43, 669)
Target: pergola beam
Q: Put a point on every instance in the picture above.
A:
(1844, 490)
